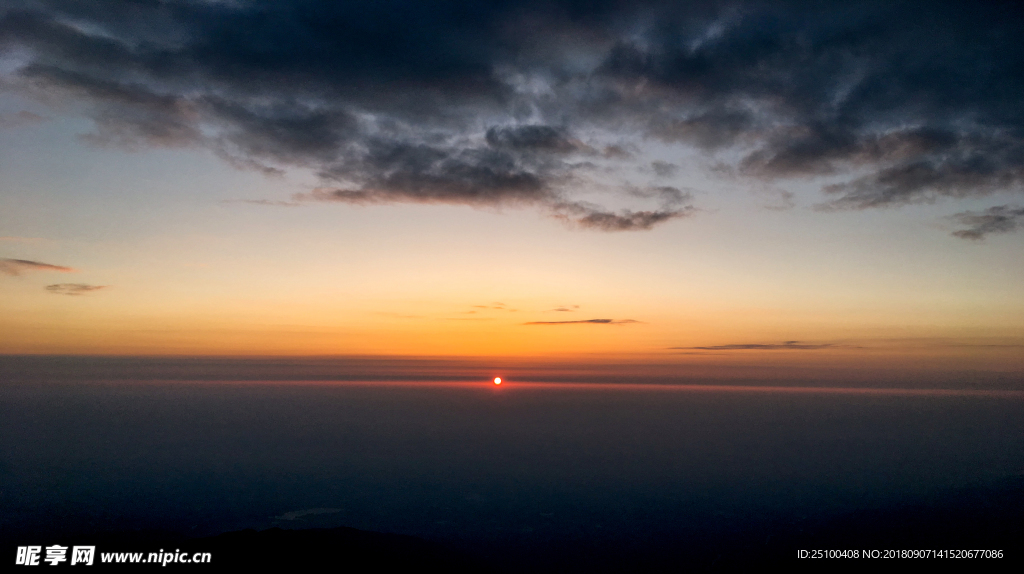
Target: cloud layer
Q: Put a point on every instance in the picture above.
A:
(533, 104)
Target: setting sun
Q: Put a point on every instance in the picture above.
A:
(497, 380)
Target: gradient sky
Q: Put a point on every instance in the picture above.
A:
(730, 182)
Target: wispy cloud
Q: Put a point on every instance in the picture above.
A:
(566, 308)
(585, 322)
(20, 266)
(786, 345)
(20, 119)
(998, 219)
(674, 204)
(74, 288)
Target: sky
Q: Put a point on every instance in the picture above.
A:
(712, 183)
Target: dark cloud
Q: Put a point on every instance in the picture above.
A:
(534, 137)
(708, 130)
(517, 103)
(971, 170)
(389, 171)
(74, 288)
(587, 321)
(998, 219)
(795, 345)
(20, 266)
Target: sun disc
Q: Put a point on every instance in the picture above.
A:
(497, 380)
